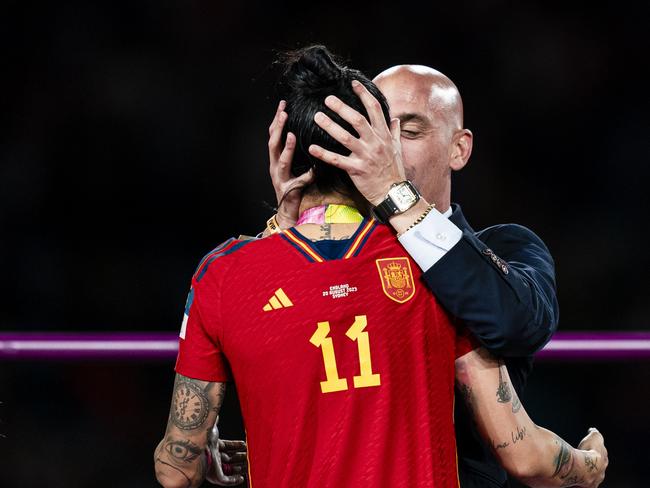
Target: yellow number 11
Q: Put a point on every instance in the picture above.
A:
(356, 333)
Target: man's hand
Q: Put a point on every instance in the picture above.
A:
(228, 460)
(596, 458)
(376, 159)
(287, 188)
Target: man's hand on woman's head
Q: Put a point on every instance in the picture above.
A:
(375, 162)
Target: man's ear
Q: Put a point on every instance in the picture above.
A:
(461, 149)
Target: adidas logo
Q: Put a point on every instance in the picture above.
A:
(278, 300)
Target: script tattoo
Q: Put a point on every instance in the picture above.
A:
(190, 405)
(504, 395)
(182, 450)
(519, 436)
(496, 446)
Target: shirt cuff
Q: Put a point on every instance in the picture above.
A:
(428, 241)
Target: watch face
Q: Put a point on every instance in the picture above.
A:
(403, 196)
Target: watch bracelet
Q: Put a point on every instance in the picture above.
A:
(418, 220)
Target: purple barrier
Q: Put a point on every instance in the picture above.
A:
(162, 346)
(88, 346)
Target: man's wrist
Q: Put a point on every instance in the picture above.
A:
(402, 221)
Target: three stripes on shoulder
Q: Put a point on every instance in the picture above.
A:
(278, 300)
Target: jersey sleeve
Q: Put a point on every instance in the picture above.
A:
(200, 355)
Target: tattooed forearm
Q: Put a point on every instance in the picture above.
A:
(190, 403)
(563, 460)
(564, 465)
(517, 436)
(504, 395)
(195, 406)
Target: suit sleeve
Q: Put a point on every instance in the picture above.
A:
(501, 284)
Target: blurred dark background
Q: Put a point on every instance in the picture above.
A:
(134, 141)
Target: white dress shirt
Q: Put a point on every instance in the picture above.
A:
(428, 241)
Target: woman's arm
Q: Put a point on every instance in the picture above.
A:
(534, 455)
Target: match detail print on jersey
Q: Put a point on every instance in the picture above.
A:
(356, 333)
(396, 278)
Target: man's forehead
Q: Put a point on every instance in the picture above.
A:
(410, 93)
(404, 95)
(407, 102)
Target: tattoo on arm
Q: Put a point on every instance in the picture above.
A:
(504, 395)
(564, 459)
(516, 403)
(564, 465)
(496, 446)
(182, 450)
(590, 463)
(520, 435)
(517, 436)
(190, 403)
(195, 404)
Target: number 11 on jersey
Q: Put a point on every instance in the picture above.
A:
(356, 333)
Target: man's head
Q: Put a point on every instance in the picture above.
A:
(434, 142)
(311, 74)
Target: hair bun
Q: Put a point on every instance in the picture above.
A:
(311, 69)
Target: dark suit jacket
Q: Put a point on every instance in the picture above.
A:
(500, 283)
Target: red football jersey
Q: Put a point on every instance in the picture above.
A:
(344, 367)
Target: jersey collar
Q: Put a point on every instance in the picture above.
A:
(308, 250)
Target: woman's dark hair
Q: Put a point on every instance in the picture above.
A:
(310, 75)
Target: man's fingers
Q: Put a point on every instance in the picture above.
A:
(337, 132)
(233, 458)
(225, 445)
(395, 131)
(351, 116)
(373, 107)
(329, 157)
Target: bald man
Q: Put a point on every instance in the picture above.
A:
(499, 282)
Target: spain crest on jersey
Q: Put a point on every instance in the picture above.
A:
(396, 278)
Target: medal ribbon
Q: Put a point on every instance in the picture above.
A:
(330, 214)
